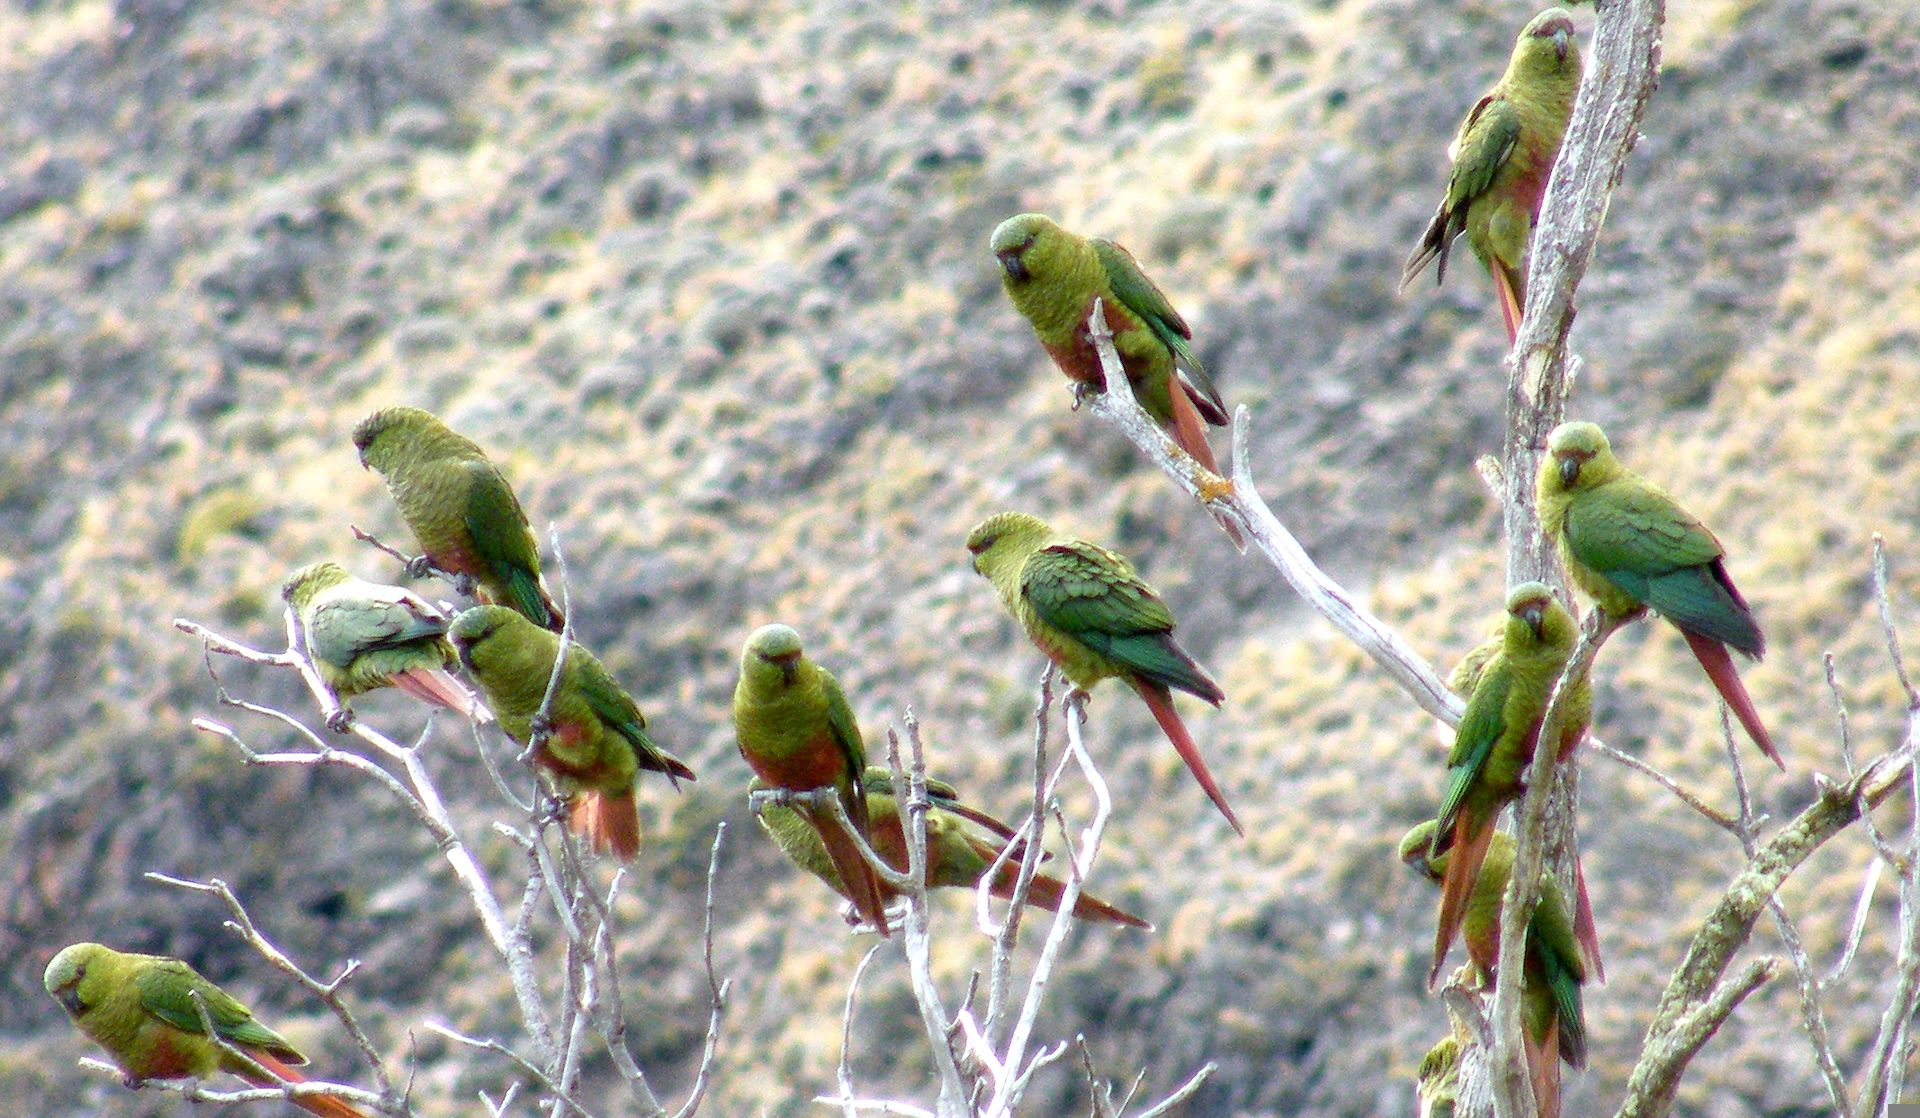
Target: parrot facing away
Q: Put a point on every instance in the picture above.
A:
(1502, 156)
(1096, 619)
(1631, 547)
(140, 1009)
(459, 507)
(1495, 741)
(797, 732)
(1551, 1014)
(1053, 277)
(956, 857)
(362, 635)
(598, 742)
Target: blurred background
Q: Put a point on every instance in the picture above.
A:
(710, 282)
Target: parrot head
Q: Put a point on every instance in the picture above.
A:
(1438, 1079)
(67, 970)
(771, 649)
(1004, 538)
(1416, 850)
(480, 624)
(1014, 237)
(1529, 603)
(1550, 31)
(303, 584)
(395, 436)
(1579, 455)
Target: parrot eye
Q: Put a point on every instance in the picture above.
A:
(979, 545)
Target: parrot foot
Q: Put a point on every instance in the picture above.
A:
(340, 719)
(1081, 390)
(1215, 488)
(419, 567)
(540, 728)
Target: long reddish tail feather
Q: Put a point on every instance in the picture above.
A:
(1544, 1058)
(326, 1106)
(1047, 892)
(1190, 431)
(863, 885)
(611, 824)
(1470, 842)
(1160, 701)
(1585, 933)
(437, 688)
(1717, 662)
(1510, 300)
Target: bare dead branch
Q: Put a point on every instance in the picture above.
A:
(539, 1075)
(327, 992)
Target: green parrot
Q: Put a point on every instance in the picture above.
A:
(1630, 546)
(1494, 743)
(460, 508)
(1094, 617)
(796, 732)
(598, 742)
(1053, 276)
(1438, 1078)
(1550, 1009)
(1502, 156)
(956, 857)
(363, 635)
(140, 1009)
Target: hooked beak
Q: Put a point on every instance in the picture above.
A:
(1536, 618)
(1562, 40)
(1015, 268)
(1569, 471)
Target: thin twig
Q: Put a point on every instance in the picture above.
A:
(546, 1082)
(328, 992)
(716, 989)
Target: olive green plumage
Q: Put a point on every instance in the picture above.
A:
(1084, 607)
(796, 732)
(1053, 276)
(1631, 547)
(1502, 157)
(362, 635)
(956, 857)
(141, 1010)
(1437, 1081)
(1496, 737)
(1551, 1008)
(598, 743)
(459, 507)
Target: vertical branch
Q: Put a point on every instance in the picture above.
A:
(1623, 67)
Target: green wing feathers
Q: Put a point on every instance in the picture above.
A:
(1140, 295)
(167, 989)
(1094, 596)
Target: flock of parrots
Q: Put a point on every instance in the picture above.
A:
(1625, 543)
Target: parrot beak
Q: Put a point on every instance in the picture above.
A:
(1569, 471)
(1015, 268)
(1535, 617)
(1562, 40)
(789, 671)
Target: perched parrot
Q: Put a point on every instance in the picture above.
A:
(1053, 276)
(1630, 546)
(1495, 741)
(1550, 1010)
(460, 508)
(598, 743)
(955, 856)
(362, 635)
(1094, 617)
(140, 1009)
(1502, 156)
(796, 732)
(1437, 1082)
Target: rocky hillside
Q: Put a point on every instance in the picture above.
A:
(710, 280)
